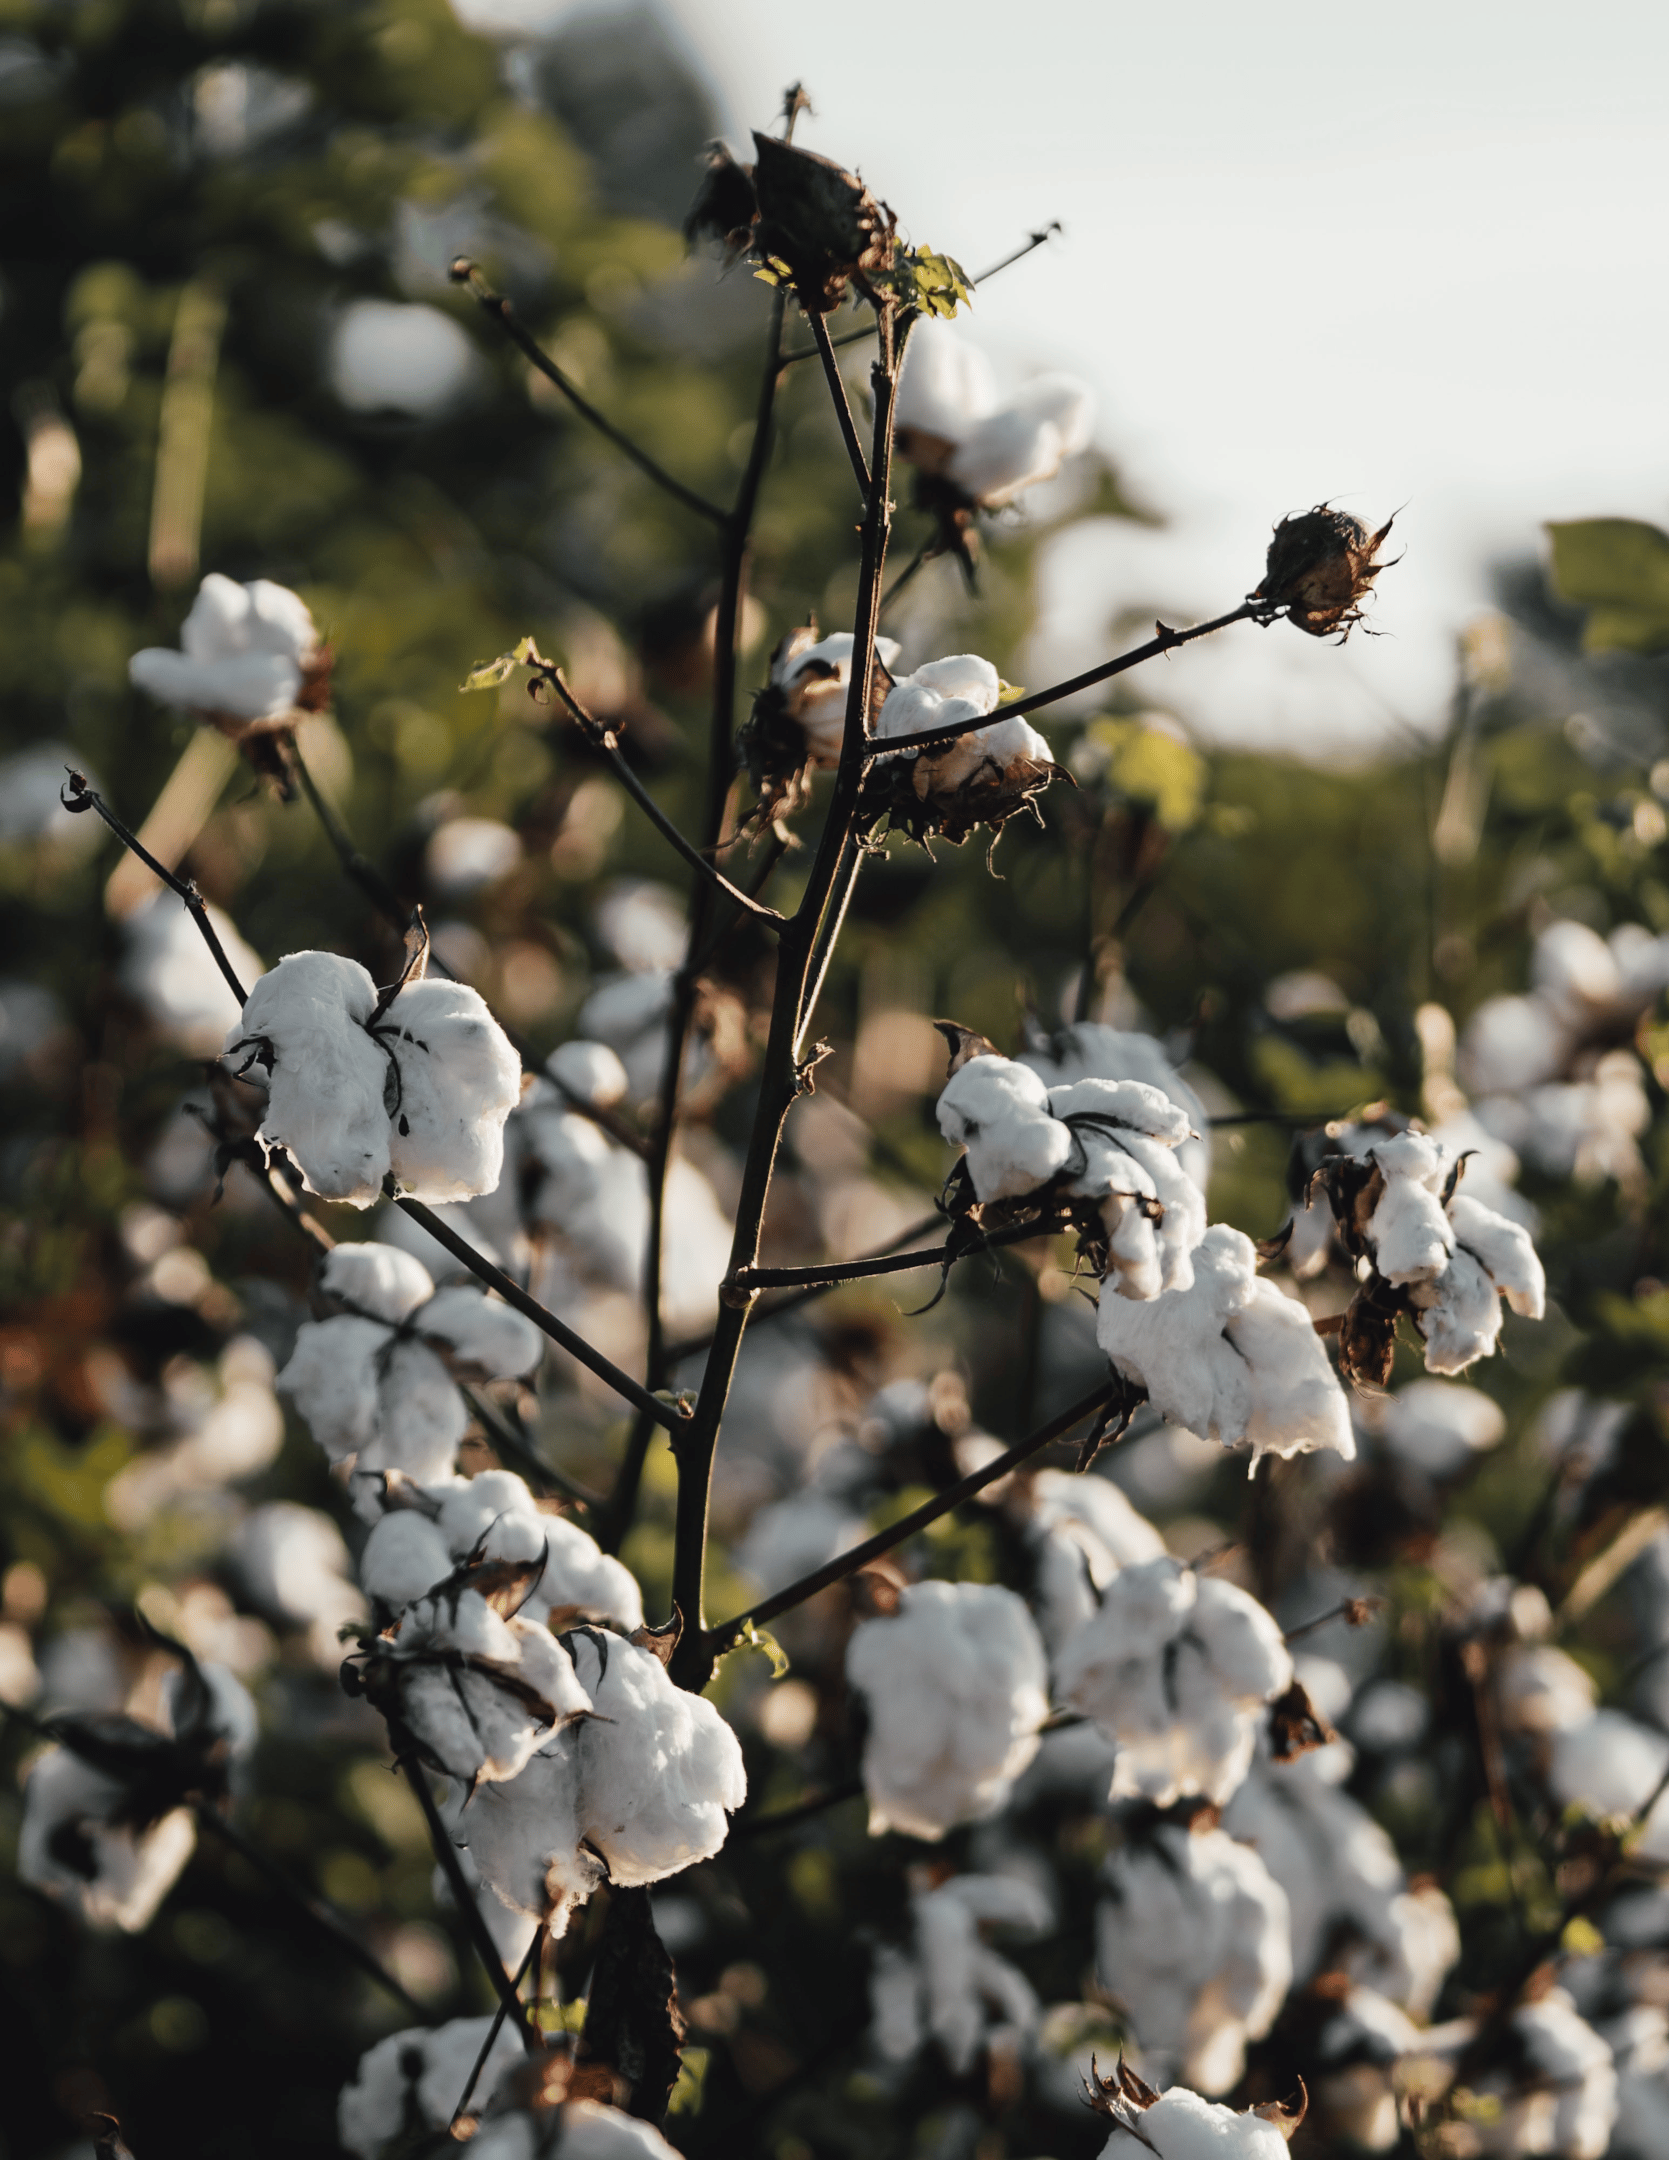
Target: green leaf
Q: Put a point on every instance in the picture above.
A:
(490, 673)
(758, 1638)
(692, 2078)
(935, 283)
(1618, 569)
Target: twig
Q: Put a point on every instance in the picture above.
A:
(1358, 1611)
(464, 272)
(316, 1909)
(785, 1818)
(828, 936)
(496, 2027)
(604, 739)
(529, 1307)
(77, 795)
(510, 1444)
(723, 1637)
(1167, 640)
(856, 337)
(826, 1277)
(842, 405)
(464, 1898)
(928, 549)
(356, 866)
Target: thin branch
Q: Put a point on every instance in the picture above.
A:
(746, 1826)
(925, 553)
(559, 1332)
(464, 272)
(722, 1638)
(321, 1914)
(604, 739)
(1166, 640)
(363, 872)
(1357, 1611)
(856, 337)
(77, 795)
(831, 1273)
(828, 936)
(842, 405)
(468, 1910)
(495, 2028)
(510, 1444)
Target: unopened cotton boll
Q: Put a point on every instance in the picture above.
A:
(169, 969)
(580, 2129)
(1440, 1428)
(424, 1097)
(415, 2079)
(1181, 2125)
(1193, 1940)
(998, 1111)
(1230, 1358)
(955, 1683)
(244, 652)
(637, 1792)
(1177, 1669)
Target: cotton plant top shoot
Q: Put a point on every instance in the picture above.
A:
(558, 1742)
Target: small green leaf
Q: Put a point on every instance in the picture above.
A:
(692, 2077)
(935, 283)
(490, 673)
(758, 1638)
(1618, 569)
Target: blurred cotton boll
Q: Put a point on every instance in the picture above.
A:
(386, 356)
(30, 798)
(172, 973)
(296, 1566)
(468, 853)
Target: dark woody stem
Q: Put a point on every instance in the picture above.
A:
(781, 1077)
(842, 405)
(464, 272)
(730, 1632)
(497, 2026)
(1166, 640)
(833, 1272)
(77, 795)
(356, 866)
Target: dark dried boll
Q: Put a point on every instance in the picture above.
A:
(809, 221)
(725, 205)
(1320, 569)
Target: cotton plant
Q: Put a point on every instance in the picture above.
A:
(985, 775)
(414, 2080)
(108, 1822)
(1092, 1050)
(413, 1084)
(249, 662)
(377, 1380)
(798, 722)
(639, 1790)
(955, 1684)
(1080, 1531)
(949, 1987)
(1193, 1939)
(426, 1531)
(976, 448)
(1178, 1669)
(577, 2129)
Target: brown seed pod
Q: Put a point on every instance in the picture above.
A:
(1320, 569)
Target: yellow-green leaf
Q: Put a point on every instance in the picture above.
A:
(758, 1638)
(1618, 569)
(488, 674)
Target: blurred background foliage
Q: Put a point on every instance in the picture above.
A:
(229, 343)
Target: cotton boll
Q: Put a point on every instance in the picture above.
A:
(1180, 2125)
(588, 2131)
(1459, 1315)
(332, 1379)
(995, 751)
(1440, 1428)
(973, 1997)
(1504, 1251)
(947, 385)
(591, 1071)
(245, 649)
(999, 1112)
(791, 1537)
(417, 2077)
(376, 1281)
(466, 854)
(169, 969)
(296, 1566)
(459, 1079)
(813, 676)
(955, 1682)
(497, 1512)
(1082, 1530)
(1098, 1504)
(1565, 2099)
(1639, 2044)
(1540, 1690)
(643, 924)
(1511, 1043)
(1409, 1232)
(1611, 1766)
(1090, 1049)
(405, 1557)
(1575, 974)
(481, 1335)
(1359, 2048)
(1193, 1941)
(74, 1846)
(1297, 1403)
(1047, 422)
(941, 693)
(1178, 1670)
(591, 1190)
(480, 1692)
(326, 1076)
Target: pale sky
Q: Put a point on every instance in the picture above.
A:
(1410, 258)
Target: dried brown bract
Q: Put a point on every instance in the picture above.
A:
(1121, 2094)
(1296, 1725)
(1320, 569)
(909, 795)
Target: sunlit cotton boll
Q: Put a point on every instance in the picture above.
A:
(479, 1691)
(1459, 1311)
(1193, 1940)
(638, 1792)
(1611, 1766)
(998, 1112)
(244, 650)
(386, 356)
(1090, 1050)
(1081, 1531)
(417, 2078)
(587, 2129)
(1177, 1668)
(955, 1683)
(1230, 1358)
(1181, 2125)
(953, 421)
(169, 969)
(495, 1514)
(813, 676)
(960, 690)
(425, 1096)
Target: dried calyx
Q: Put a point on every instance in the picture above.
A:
(1320, 569)
(804, 219)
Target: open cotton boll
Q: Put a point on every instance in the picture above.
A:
(366, 1392)
(1082, 1530)
(1440, 1428)
(295, 1564)
(459, 1079)
(586, 2129)
(1563, 2097)
(306, 1022)
(962, 688)
(637, 1792)
(245, 649)
(169, 969)
(480, 1692)
(378, 1282)
(74, 1845)
(1090, 1050)
(404, 1558)
(1297, 1402)
(1178, 1670)
(590, 1071)
(1459, 1313)
(1131, 1105)
(998, 1112)
(956, 1687)
(482, 1334)
(496, 1511)
(415, 2079)
(1504, 1251)
(1610, 1765)
(946, 387)
(1359, 2049)
(1046, 422)
(1409, 1231)
(814, 676)
(971, 1996)
(1538, 1689)
(1181, 2125)
(1193, 1941)
(1575, 973)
